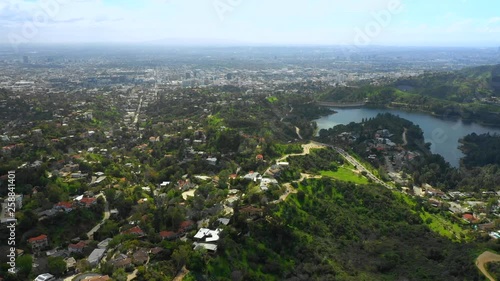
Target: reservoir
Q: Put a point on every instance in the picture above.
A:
(443, 134)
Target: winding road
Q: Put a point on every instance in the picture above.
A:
(90, 234)
(485, 258)
(289, 188)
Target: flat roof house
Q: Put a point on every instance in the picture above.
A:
(96, 256)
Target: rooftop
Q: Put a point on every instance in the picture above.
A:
(38, 239)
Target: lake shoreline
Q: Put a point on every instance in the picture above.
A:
(443, 133)
(431, 113)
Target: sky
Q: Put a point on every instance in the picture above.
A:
(460, 23)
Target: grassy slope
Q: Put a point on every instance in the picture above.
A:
(345, 174)
(339, 231)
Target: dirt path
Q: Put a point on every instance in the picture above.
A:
(307, 149)
(180, 276)
(485, 258)
(291, 190)
(405, 142)
(297, 130)
(132, 275)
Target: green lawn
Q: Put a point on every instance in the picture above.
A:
(345, 174)
(444, 227)
(272, 99)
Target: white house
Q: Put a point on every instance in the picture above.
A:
(208, 247)
(208, 235)
(253, 176)
(212, 160)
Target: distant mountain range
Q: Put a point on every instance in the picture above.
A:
(195, 42)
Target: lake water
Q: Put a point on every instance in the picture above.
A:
(441, 133)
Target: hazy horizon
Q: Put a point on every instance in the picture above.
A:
(390, 23)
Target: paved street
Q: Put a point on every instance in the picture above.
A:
(356, 163)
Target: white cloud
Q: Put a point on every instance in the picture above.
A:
(494, 20)
(318, 21)
(460, 25)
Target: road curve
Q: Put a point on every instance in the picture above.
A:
(485, 258)
(106, 216)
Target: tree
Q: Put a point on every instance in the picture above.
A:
(124, 205)
(25, 264)
(54, 193)
(175, 217)
(57, 266)
(197, 260)
(120, 275)
(83, 265)
(181, 255)
(110, 194)
(27, 220)
(301, 196)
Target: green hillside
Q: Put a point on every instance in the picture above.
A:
(472, 94)
(334, 230)
(459, 86)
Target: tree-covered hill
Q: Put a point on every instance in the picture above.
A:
(481, 150)
(471, 93)
(459, 86)
(338, 231)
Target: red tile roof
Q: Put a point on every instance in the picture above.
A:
(79, 245)
(469, 217)
(38, 239)
(185, 225)
(167, 234)
(67, 205)
(134, 230)
(88, 201)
